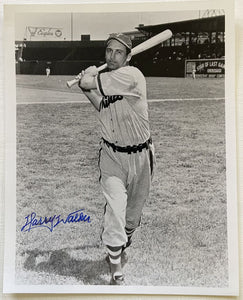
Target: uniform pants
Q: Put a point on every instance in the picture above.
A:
(125, 180)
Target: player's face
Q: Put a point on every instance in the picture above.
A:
(115, 55)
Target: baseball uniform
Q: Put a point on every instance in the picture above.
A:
(126, 155)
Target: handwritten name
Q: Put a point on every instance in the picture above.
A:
(51, 222)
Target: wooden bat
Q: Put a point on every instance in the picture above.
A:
(153, 41)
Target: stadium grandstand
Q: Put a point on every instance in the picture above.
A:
(197, 43)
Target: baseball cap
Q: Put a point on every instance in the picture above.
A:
(122, 38)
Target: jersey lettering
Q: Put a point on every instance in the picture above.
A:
(107, 100)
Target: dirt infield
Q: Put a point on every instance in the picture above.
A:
(182, 240)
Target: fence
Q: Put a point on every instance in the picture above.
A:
(57, 67)
(165, 68)
(162, 69)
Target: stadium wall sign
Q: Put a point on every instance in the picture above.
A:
(205, 67)
(44, 32)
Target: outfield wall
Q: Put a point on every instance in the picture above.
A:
(165, 68)
(57, 67)
(148, 68)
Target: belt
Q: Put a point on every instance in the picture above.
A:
(129, 149)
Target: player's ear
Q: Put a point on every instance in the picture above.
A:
(129, 56)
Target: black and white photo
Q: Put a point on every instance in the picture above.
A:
(121, 150)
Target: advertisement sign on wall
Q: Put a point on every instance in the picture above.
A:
(205, 67)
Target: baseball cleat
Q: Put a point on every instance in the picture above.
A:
(117, 277)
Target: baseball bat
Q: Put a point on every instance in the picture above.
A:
(153, 41)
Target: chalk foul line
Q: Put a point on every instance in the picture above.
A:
(185, 99)
(149, 101)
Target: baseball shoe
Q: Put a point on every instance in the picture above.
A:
(117, 277)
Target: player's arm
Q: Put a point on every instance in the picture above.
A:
(118, 82)
(93, 97)
(88, 85)
(88, 78)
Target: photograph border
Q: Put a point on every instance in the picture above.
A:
(10, 146)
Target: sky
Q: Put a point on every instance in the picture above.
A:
(97, 25)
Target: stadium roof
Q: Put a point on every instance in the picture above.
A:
(212, 24)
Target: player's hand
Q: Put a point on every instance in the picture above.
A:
(80, 75)
(92, 71)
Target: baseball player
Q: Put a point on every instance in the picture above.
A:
(194, 71)
(48, 71)
(127, 155)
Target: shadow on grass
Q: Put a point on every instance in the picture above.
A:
(61, 263)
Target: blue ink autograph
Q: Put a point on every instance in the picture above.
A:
(51, 222)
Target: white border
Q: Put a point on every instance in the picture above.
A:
(231, 161)
(10, 142)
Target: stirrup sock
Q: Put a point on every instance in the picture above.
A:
(129, 233)
(115, 256)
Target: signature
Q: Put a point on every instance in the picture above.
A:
(51, 222)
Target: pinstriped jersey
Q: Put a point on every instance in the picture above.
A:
(123, 111)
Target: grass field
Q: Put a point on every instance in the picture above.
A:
(182, 240)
